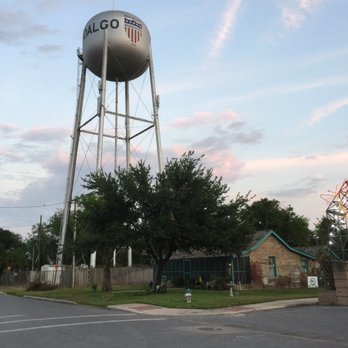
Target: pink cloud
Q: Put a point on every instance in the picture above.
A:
(278, 164)
(175, 151)
(225, 164)
(293, 18)
(7, 128)
(202, 117)
(46, 134)
(309, 4)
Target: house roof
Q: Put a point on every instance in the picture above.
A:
(257, 241)
(194, 254)
(260, 237)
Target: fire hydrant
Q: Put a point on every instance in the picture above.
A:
(188, 295)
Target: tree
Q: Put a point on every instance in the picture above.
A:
(183, 208)
(268, 214)
(12, 251)
(321, 231)
(104, 217)
(43, 240)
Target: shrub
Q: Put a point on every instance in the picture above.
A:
(220, 284)
(41, 287)
(178, 282)
(282, 282)
(161, 289)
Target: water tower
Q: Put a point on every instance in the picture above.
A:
(117, 50)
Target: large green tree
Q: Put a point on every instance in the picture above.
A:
(184, 208)
(105, 217)
(12, 251)
(294, 228)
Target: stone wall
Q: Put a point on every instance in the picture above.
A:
(340, 272)
(327, 297)
(288, 264)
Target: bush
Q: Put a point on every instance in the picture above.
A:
(283, 282)
(178, 282)
(220, 284)
(41, 287)
(161, 289)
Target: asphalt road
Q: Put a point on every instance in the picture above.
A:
(33, 323)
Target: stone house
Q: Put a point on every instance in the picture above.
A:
(268, 261)
(274, 262)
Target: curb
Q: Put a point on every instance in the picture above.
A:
(236, 310)
(50, 299)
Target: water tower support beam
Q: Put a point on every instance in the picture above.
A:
(102, 102)
(127, 140)
(155, 106)
(72, 167)
(127, 125)
(116, 126)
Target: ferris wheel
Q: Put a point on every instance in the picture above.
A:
(337, 213)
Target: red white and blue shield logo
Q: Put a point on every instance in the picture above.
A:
(133, 28)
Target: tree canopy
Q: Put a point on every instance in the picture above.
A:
(12, 251)
(43, 239)
(268, 214)
(105, 217)
(322, 230)
(184, 209)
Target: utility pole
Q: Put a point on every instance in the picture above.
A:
(73, 257)
(40, 241)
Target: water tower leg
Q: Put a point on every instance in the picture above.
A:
(127, 125)
(116, 126)
(102, 103)
(155, 105)
(72, 167)
(130, 261)
(114, 258)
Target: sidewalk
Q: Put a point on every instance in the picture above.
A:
(156, 310)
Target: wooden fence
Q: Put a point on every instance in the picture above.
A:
(83, 277)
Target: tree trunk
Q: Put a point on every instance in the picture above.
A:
(106, 286)
(159, 271)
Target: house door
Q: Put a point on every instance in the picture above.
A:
(187, 272)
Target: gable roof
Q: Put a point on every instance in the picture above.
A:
(261, 236)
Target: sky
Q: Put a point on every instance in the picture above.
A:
(260, 87)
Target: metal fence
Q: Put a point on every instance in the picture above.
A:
(189, 271)
(80, 278)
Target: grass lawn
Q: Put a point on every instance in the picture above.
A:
(174, 298)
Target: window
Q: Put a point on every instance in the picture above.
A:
(304, 265)
(272, 267)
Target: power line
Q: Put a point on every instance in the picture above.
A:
(32, 206)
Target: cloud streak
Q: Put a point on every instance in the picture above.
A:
(45, 135)
(223, 138)
(300, 188)
(325, 111)
(331, 81)
(227, 24)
